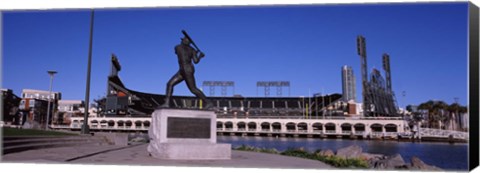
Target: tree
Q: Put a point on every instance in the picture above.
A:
(455, 109)
(429, 107)
(439, 112)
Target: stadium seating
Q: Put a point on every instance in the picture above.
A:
(143, 104)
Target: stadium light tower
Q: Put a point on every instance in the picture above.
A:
(51, 73)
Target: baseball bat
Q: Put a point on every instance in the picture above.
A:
(191, 40)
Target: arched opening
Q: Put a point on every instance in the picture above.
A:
(291, 127)
(75, 123)
(302, 127)
(121, 124)
(376, 129)
(317, 127)
(391, 128)
(219, 125)
(241, 126)
(138, 124)
(252, 126)
(103, 123)
(276, 126)
(359, 128)
(346, 128)
(128, 124)
(146, 124)
(330, 128)
(111, 124)
(265, 126)
(94, 123)
(228, 125)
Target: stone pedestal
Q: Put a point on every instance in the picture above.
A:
(179, 134)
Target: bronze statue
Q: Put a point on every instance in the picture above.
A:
(186, 54)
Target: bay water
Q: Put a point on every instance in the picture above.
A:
(443, 155)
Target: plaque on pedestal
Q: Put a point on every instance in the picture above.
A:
(185, 135)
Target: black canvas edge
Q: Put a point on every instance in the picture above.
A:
(1, 82)
(473, 38)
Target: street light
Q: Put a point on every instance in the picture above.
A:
(303, 106)
(316, 95)
(85, 128)
(309, 104)
(323, 106)
(51, 73)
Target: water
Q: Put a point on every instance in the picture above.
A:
(443, 155)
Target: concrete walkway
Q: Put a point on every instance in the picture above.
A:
(138, 155)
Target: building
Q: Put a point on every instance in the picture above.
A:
(348, 84)
(123, 102)
(68, 109)
(33, 112)
(40, 94)
(34, 107)
(10, 106)
(70, 105)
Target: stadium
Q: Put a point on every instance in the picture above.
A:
(123, 102)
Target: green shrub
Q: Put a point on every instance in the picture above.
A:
(297, 153)
(300, 152)
(331, 160)
(260, 150)
(343, 163)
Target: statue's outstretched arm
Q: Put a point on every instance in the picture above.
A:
(197, 57)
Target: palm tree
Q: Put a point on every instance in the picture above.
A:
(429, 107)
(440, 113)
(455, 109)
(436, 113)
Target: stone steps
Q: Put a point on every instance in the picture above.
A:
(18, 144)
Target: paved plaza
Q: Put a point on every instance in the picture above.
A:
(138, 155)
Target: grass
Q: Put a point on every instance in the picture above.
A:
(331, 160)
(31, 132)
(255, 149)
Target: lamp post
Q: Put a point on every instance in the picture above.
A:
(329, 103)
(51, 73)
(309, 104)
(85, 128)
(456, 114)
(316, 103)
(303, 106)
(323, 105)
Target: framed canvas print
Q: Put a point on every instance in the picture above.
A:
(351, 86)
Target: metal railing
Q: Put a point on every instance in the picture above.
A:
(439, 133)
(377, 134)
(330, 131)
(302, 131)
(359, 132)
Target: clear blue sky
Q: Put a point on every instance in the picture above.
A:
(306, 45)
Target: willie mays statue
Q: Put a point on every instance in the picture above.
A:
(186, 54)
